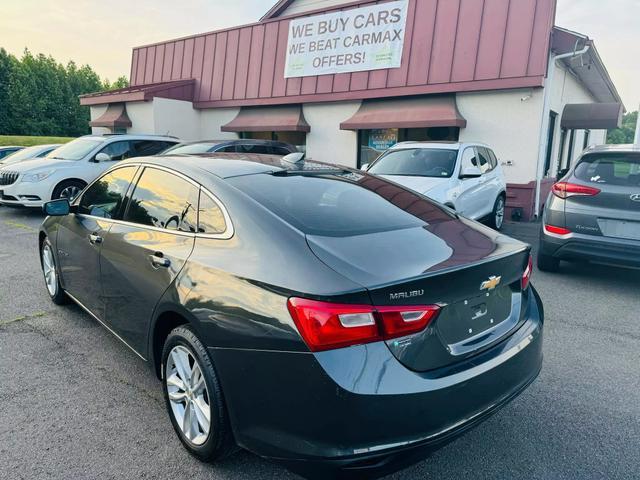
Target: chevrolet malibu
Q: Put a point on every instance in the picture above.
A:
(316, 315)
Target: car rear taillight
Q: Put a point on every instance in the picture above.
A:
(526, 276)
(325, 326)
(556, 230)
(566, 190)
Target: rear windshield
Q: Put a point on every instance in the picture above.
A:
(417, 162)
(611, 168)
(331, 205)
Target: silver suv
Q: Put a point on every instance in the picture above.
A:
(593, 213)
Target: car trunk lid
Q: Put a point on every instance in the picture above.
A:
(471, 272)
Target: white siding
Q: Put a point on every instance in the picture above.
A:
(142, 118)
(211, 120)
(300, 6)
(509, 122)
(326, 142)
(177, 118)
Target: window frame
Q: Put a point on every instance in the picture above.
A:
(484, 152)
(226, 235)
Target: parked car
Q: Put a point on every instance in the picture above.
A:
(466, 177)
(29, 153)
(67, 170)
(593, 213)
(8, 150)
(310, 313)
(230, 146)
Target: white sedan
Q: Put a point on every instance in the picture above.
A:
(466, 177)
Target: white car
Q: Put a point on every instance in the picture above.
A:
(466, 177)
(65, 171)
(28, 153)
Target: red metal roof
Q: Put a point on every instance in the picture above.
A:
(450, 46)
(178, 90)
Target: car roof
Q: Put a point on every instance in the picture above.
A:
(227, 165)
(126, 136)
(613, 148)
(444, 145)
(245, 141)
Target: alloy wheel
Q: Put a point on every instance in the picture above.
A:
(188, 395)
(70, 192)
(49, 270)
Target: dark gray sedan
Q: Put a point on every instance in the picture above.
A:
(313, 314)
(593, 213)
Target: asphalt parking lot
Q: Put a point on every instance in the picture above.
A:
(75, 403)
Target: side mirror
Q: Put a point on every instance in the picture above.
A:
(102, 157)
(470, 171)
(57, 208)
(365, 167)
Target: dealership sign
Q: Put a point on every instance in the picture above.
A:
(368, 38)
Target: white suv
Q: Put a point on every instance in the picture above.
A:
(466, 177)
(68, 169)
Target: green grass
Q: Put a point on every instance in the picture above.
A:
(27, 141)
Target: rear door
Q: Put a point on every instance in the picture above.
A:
(614, 211)
(81, 236)
(142, 255)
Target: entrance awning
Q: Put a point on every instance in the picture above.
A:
(596, 116)
(268, 119)
(421, 112)
(115, 116)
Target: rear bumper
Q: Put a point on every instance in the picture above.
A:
(590, 247)
(358, 410)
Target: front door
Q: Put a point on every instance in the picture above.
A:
(143, 255)
(469, 191)
(81, 235)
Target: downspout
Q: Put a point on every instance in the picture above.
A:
(546, 108)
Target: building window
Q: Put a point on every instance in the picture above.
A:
(297, 139)
(563, 142)
(374, 142)
(553, 116)
(572, 141)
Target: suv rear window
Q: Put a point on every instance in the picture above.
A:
(328, 205)
(610, 168)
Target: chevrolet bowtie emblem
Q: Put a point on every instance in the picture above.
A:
(490, 284)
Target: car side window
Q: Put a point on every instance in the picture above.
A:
(118, 150)
(492, 158)
(484, 163)
(252, 148)
(104, 198)
(164, 200)
(145, 148)
(279, 151)
(227, 149)
(210, 218)
(469, 157)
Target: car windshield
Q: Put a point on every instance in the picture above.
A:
(333, 205)
(75, 150)
(621, 169)
(21, 155)
(418, 162)
(189, 149)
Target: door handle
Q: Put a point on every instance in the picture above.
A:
(158, 260)
(95, 239)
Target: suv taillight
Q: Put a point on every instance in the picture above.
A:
(566, 190)
(325, 326)
(526, 276)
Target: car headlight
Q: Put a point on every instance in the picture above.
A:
(36, 177)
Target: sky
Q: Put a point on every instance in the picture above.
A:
(102, 34)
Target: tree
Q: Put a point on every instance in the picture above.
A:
(626, 133)
(39, 96)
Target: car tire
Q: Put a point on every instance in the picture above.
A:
(496, 220)
(547, 263)
(188, 399)
(68, 189)
(52, 274)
